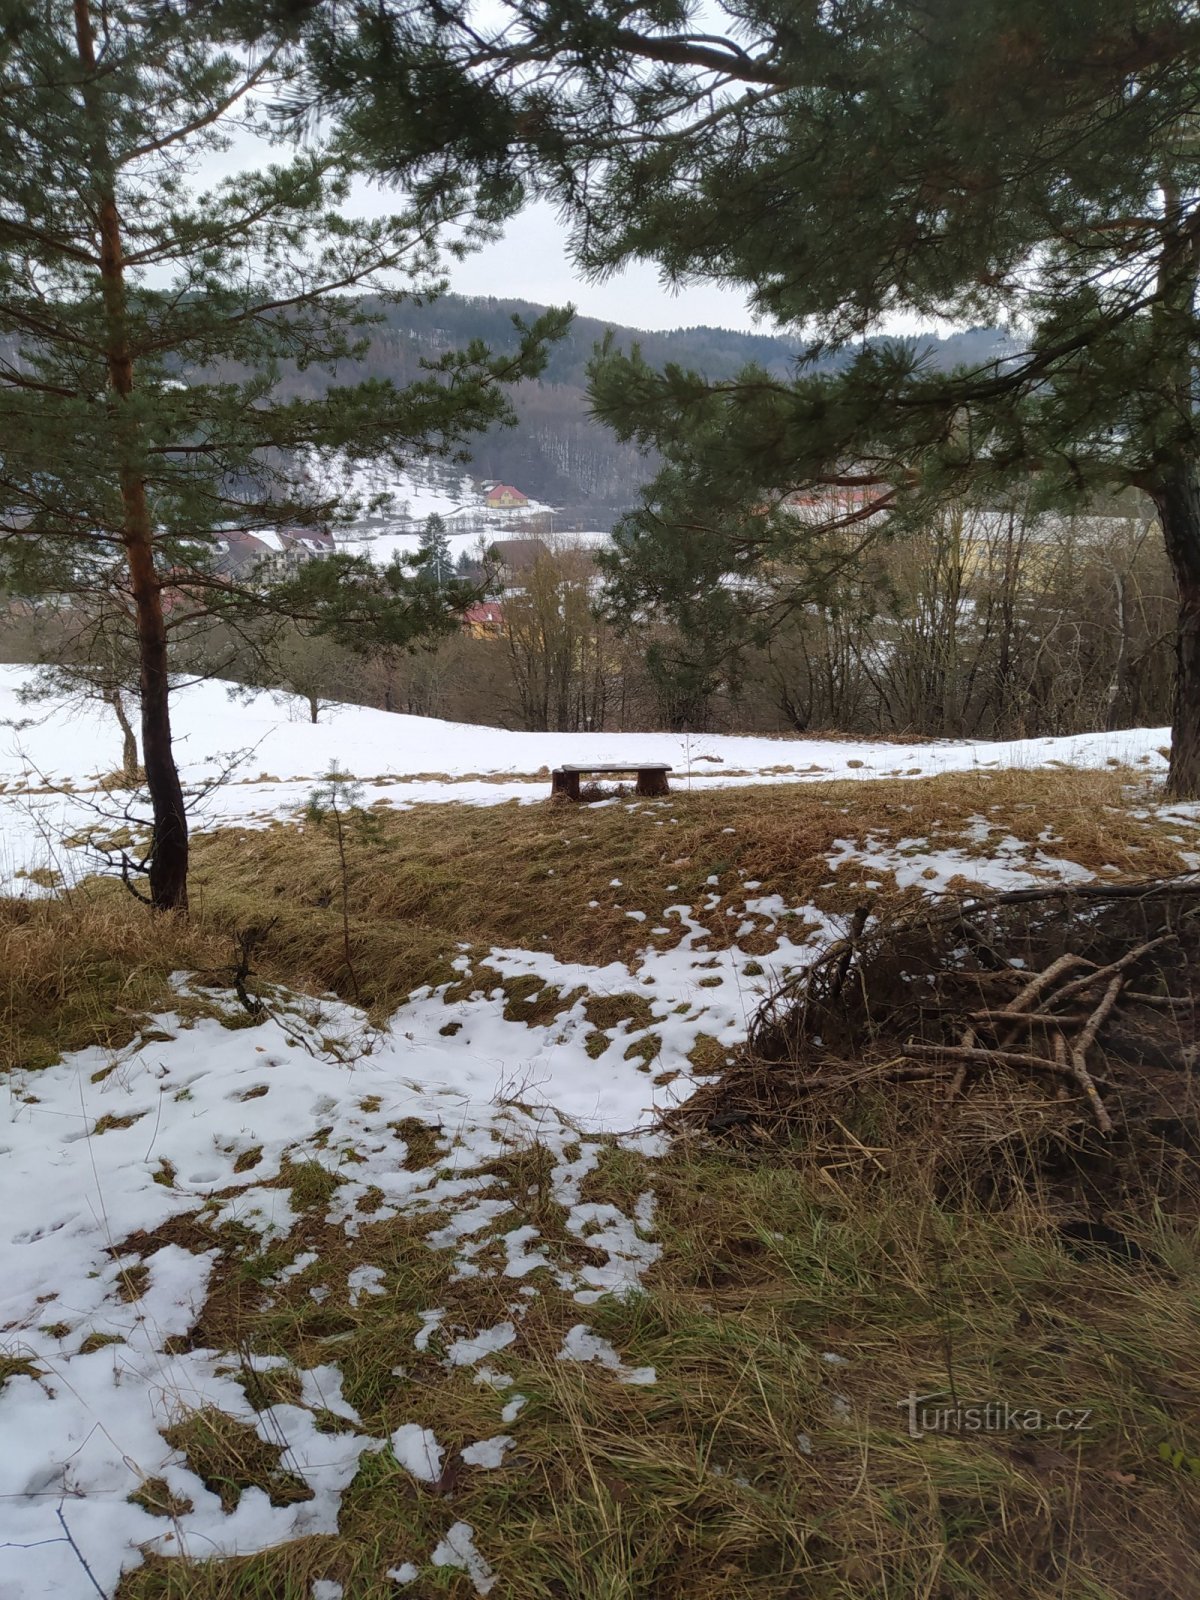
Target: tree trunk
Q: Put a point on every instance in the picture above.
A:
(129, 753)
(1118, 688)
(169, 838)
(1178, 501)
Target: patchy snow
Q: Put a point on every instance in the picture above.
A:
(488, 1453)
(582, 1345)
(457, 1549)
(417, 1450)
(466, 1352)
(111, 1144)
(430, 1322)
(365, 1281)
(277, 755)
(108, 1144)
(321, 1390)
(1004, 863)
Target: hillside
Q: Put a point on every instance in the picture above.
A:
(57, 757)
(558, 453)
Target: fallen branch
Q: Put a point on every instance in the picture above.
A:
(1003, 1058)
(1041, 981)
(957, 1083)
(1049, 1018)
(1129, 959)
(1084, 1043)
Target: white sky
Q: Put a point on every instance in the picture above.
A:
(530, 263)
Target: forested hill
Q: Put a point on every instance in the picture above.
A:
(559, 453)
(717, 352)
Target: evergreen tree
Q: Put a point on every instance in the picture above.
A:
(999, 162)
(433, 561)
(145, 327)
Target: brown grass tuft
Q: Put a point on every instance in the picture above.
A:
(229, 1456)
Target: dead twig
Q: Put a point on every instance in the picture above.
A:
(1003, 1058)
(1041, 981)
(848, 950)
(1084, 1043)
(1129, 959)
(1036, 987)
(248, 940)
(1049, 1018)
(958, 1082)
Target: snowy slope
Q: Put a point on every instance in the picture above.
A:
(383, 541)
(83, 1428)
(276, 756)
(422, 492)
(195, 1121)
(86, 1145)
(77, 743)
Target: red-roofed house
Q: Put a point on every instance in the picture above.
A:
(486, 616)
(503, 497)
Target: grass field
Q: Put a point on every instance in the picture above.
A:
(730, 1421)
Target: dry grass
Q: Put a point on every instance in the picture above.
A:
(424, 883)
(229, 1457)
(755, 1468)
(86, 970)
(436, 877)
(15, 1366)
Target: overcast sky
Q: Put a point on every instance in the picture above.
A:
(531, 263)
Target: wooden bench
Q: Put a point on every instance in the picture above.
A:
(651, 777)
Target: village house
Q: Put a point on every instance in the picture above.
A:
(503, 497)
(484, 618)
(275, 550)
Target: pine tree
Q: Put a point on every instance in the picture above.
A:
(1002, 162)
(433, 561)
(154, 339)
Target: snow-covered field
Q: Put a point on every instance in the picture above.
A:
(470, 524)
(420, 493)
(196, 1124)
(276, 757)
(84, 1434)
(383, 541)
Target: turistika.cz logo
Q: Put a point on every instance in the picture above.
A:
(932, 1413)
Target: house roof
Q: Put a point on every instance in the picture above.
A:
(505, 491)
(519, 554)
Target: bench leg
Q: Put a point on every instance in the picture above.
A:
(564, 785)
(651, 784)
